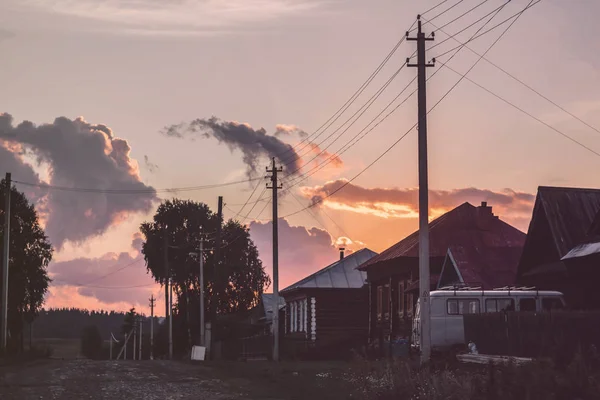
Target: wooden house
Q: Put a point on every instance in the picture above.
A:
(468, 245)
(562, 250)
(328, 310)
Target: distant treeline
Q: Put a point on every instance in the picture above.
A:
(68, 323)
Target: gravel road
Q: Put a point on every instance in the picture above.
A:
(86, 379)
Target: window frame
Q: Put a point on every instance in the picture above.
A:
(458, 301)
(528, 298)
(496, 299)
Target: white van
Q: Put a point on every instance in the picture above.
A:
(448, 305)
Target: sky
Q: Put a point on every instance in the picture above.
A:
(146, 95)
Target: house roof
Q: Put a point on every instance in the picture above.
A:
(570, 213)
(486, 267)
(267, 300)
(342, 274)
(464, 225)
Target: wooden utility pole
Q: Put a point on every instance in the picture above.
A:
(171, 322)
(168, 299)
(152, 300)
(201, 284)
(424, 284)
(141, 335)
(5, 259)
(133, 350)
(274, 186)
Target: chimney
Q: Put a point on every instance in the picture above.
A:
(484, 215)
(342, 253)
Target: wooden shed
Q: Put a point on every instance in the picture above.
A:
(328, 310)
(562, 250)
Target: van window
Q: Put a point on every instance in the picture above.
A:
(462, 306)
(552, 303)
(527, 304)
(497, 305)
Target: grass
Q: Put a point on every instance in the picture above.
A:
(382, 380)
(61, 348)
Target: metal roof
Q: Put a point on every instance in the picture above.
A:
(267, 300)
(570, 213)
(464, 225)
(582, 250)
(342, 274)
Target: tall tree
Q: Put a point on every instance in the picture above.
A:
(240, 279)
(129, 321)
(30, 254)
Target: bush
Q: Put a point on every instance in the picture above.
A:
(91, 342)
(537, 380)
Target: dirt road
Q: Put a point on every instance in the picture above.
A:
(86, 379)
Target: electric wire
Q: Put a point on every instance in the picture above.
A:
(320, 200)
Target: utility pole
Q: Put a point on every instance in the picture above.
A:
(140, 351)
(216, 282)
(168, 298)
(201, 283)
(152, 300)
(274, 186)
(134, 339)
(171, 322)
(5, 259)
(424, 284)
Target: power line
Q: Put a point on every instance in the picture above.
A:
(135, 261)
(523, 111)
(460, 16)
(337, 154)
(440, 14)
(320, 200)
(362, 111)
(436, 6)
(134, 191)
(350, 101)
(110, 287)
(483, 33)
(525, 84)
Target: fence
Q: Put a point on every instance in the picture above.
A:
(258, 346)
(528, 334)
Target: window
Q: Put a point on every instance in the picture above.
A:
(401, 298)
(497, 305)
(298, 311)
(386, 302)
(552, 303)
(462, 306)
(527, 304)
(379, 301)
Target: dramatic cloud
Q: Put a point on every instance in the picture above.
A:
(80, 155)
(289, 130)
(115, 280)
(403, 203)
(255, 144)
(302, 250)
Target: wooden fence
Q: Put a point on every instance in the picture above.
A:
(253, 347)
(527, 334)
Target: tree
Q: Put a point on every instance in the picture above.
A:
(30, 254)
(91, 342)
(241, 278)
(129, 321)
